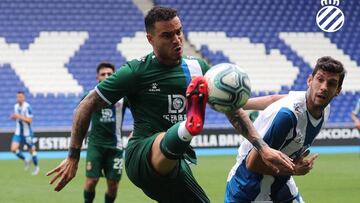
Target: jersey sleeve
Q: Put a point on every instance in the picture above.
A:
(356, 111)
(327, 111)
(126, 102)
(28, 112)
(117, 85)
(283, 123)
(204, 66)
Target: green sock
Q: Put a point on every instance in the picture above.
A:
(175, 142)
(109, 199)
(89, 196)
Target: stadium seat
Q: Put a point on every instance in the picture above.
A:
(252, 34)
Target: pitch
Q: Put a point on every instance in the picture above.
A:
(335, 178)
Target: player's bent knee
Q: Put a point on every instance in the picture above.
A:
(162, 164)
(14, 147)
(32, 149)
(112, 187)
(90, 183)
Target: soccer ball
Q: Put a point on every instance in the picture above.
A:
(229, 87)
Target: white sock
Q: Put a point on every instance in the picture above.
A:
(183, 133)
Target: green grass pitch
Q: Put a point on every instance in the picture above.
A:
(335, 178)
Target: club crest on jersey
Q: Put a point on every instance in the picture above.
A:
(176, 103)
(88, 166)
(297, 107)
(107, 116)
(299, 138)
(154, 87)
(176, 107)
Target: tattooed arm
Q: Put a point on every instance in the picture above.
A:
(66, 170)
(271, 157)
(82, 117)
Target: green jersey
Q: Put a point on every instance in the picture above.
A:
(155, 92)
(106, 126)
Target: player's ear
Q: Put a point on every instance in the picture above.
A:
(338, 90)
(309, 80)
(149, 38)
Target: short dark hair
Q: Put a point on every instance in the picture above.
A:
(158, 13)
(105, 65)
(329, 64)
(20, 92)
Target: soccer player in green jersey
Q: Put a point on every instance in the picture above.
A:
(167, 97)
(105, 151)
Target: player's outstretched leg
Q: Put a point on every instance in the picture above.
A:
(177, 139)
(196, 98)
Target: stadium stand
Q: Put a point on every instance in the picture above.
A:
(50, 49)
(258, 34)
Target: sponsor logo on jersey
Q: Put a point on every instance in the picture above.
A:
(154, 87)
(176, 103)
(176, 108)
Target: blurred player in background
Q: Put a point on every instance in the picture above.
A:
(105, 151)
(23, 132)
(290, 125)
(168, 97)
(355, 113)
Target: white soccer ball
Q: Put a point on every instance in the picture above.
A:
(229, 87)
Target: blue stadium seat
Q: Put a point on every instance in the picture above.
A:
(259, 20)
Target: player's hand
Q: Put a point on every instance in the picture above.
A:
(302, 166)
(276, 160)
(15, 116)
(66, 171)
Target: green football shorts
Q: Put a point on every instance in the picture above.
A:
(180, 186)
(103, 161)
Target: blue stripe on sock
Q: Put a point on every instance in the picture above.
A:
(35, 160)
(20, 155)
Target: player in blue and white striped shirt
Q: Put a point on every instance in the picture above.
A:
(355, 113)
(23, 131)
(289, 125)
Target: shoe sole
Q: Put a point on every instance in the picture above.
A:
(196, 99)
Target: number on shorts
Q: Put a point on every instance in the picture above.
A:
(118, 164)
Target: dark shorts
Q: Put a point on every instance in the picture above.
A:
(103, 161)
(178, 187)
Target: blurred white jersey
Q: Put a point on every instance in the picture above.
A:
(285, 125)
(23, 128)
(356, 111)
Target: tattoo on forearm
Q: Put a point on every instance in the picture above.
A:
(82, 118)
(238, 124)
(74, 153)
(259, 144)
(243, 125)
